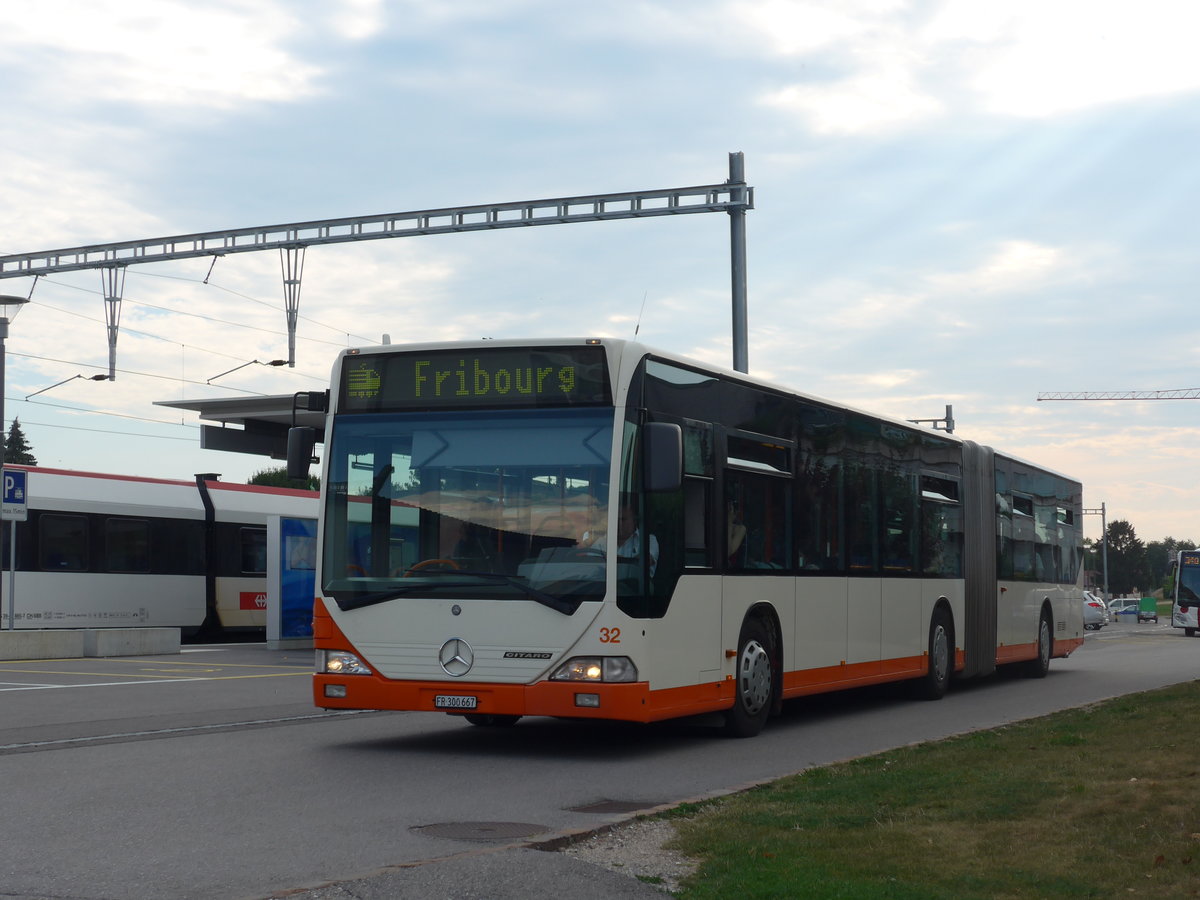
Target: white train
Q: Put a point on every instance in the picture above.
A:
(103, 551)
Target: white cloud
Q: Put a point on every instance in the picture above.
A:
(357, 20)
(51, 202)
(1039, 58)
(161, 53)
(790, 27)
(1013, 265)
(875, 67)
(881, 94)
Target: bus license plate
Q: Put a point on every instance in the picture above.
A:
(454, 701)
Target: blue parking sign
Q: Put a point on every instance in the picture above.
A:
(14, 504)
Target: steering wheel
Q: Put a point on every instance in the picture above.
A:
(427, 563)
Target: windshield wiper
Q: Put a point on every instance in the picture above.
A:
(558, 604)
(356, 601)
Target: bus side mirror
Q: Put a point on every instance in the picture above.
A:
(663, 442)
(301, 440)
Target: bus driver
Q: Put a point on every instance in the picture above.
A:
(629, 538)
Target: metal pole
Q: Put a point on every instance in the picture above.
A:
(737, 266)
(12, 573)
(1104, 549)
(3, 435)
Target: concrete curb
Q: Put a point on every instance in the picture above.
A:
(75, 643)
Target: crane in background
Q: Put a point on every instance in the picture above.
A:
(1176, 394)
(1173, 394)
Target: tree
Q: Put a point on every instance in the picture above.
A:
(1128, 567)
(278, 478)
(1160, 554)
(16, 448)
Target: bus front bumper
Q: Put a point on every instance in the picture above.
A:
(633, 702)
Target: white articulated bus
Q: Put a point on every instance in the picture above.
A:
(1185, 593)
(591, 528)
(100, 550)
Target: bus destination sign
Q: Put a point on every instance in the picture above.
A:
(488, 378)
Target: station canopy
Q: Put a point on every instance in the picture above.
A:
(257, 425)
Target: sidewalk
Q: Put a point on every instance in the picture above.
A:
(507, 874)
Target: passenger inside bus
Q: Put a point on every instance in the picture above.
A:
(736, 534)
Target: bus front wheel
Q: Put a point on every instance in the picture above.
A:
(755, 682)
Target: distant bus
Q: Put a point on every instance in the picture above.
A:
(1185, 592)
(103, 550)
(591, 528)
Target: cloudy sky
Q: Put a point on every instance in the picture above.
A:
(956, 203)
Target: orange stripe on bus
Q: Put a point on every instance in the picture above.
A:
(628, 702)
(1010, 653)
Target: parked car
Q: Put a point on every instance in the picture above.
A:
(1095, 616)
(1124, 607)
(1089, 598)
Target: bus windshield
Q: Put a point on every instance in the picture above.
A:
(1189, 579)
(486, 504)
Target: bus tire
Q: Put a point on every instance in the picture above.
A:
(1189, 632)
(936, 681)
(487, 720)
(1040, 664)
(755, 681)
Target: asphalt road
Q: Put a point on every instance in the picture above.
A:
(210, 775)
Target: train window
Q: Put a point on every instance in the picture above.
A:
(62, 543)
(253, 542)
(126, 545)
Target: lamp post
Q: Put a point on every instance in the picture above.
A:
(7, 300)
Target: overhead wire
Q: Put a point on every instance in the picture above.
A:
(175, 378)
(137, 434)
(207, 282)
(180, 312)
(180, 379)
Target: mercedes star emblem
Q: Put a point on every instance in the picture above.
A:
(456, 657)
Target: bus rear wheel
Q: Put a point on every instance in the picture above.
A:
(755, 681)
(935, 682)
(1040, 664)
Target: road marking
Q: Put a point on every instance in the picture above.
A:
(25, 684)
(4, 671)
(125, 735)
(49, 687)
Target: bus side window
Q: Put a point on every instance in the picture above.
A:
(760, 535)
(695, 522)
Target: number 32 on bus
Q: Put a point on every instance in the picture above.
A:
(590, 528)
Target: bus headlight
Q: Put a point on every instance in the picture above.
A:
(340, 662)
(596, 668)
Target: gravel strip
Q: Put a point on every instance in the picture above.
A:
(637, 850)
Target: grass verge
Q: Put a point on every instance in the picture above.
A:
(1102, 801)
